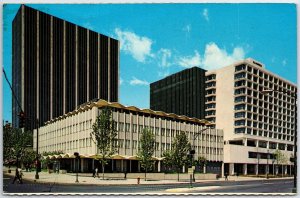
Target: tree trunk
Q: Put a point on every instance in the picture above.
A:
(103, 169)
(145, 174)
(178, 171)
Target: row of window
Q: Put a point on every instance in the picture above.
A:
(265, 126)
(261, 82)
(69, 145)
(210, 77)
(279, 100)
(264, 102)
(289, 123)
(72, 128)
(280, 114)
(272, 134)
(266, 77)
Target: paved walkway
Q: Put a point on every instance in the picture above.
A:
(86, 178)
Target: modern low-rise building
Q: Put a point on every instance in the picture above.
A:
(255, 124)
(70, 133)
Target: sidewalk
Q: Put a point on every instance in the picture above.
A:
(87, 179)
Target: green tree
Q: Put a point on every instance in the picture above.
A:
(28, 156)
(104, 135)
(281, 159)
(168, 159)
(202, 161)
(15, 141)
(146, 149)
(180, 148)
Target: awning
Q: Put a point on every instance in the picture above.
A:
(96, 156)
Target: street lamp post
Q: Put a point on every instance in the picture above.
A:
(37, 150)
(192, 152)
(294, 95)
(268, 165)
(273, 161)
(77, 166)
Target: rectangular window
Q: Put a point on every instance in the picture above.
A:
(156, 131)
(127, 144)
(163, 131)
(127, 127)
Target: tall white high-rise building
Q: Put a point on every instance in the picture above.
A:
(255, 124)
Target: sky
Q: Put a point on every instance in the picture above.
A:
(161, 39)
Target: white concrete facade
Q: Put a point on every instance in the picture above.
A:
(254, 124)
(71, 133)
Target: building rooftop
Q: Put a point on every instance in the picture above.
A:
(103, 103)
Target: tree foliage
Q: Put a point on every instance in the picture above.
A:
(28, 156)
(280, 158)
(201, 161)
(168, 159)
(178, 155)
(146, 149)
(104, 135)
(15, 142)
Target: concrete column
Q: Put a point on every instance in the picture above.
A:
(122, 165)
(158, 166)
(183, 169)
(139, 167)
(231, 169)
(266, 169)
(82, 165)
(222, 170)
(204, 168)
(285, 169)
(245, 171)
(256, 169)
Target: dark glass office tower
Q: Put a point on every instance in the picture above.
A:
(182, 93)
(58, 66)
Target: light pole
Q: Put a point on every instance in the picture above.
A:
(258, 156)
(294, 95)
(37, 150)
(77, 166)
(268, 165)
(273, 161)
(192, 152)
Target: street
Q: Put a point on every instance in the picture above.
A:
(263, 186)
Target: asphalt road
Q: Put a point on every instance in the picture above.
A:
(263, 186)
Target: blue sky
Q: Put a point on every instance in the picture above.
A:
(161, 39)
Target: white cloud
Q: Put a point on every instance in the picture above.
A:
(163, 74)
(164, 56)
(88, 25)
(121, 81)
(273, 60)
(215, 57)
(138, 46)
(136, 81)
(187, 28)
(190, 61)
(205, 14)
(284, 62)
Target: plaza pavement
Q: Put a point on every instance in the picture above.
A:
(87, 179)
